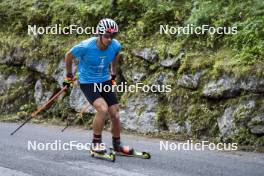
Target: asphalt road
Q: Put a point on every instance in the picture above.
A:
(16, 158)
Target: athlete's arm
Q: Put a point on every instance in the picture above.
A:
(68, 61)
(114, 64)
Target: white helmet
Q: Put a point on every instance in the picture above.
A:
(107, 25)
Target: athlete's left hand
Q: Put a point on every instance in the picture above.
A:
(113, 79)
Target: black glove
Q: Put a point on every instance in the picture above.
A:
(68, 80)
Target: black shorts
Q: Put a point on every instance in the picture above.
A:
(104, 90)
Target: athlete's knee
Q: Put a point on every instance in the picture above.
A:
(114, 114)
(102, 109)
(114, 108)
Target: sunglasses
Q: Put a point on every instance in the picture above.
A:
(109, 35)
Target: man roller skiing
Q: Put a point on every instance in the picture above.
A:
(95, 55)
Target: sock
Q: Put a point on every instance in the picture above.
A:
(97, 138)
(116, 141)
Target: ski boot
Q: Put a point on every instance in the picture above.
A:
(99, 151)
(99, 148)
(124, 150)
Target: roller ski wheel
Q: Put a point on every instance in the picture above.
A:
(137, 154)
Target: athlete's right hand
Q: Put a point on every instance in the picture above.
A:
(68, 80)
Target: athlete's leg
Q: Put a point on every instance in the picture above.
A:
(113, 109)
(115, 120)
(101, 109)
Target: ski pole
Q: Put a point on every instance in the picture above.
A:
(85, 107)
(67, 125)
(34, 114)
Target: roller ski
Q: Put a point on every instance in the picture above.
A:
(130, 152)
(100, 152)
